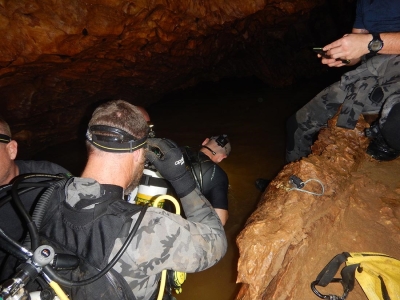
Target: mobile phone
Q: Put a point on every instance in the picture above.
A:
(321, 52)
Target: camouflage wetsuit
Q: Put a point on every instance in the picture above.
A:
(164, 240)
(372, 88)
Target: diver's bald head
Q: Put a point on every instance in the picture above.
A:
(144, 113)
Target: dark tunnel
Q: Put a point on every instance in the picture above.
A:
(204, 68)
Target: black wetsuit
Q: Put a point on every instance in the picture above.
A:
(210, 178)
(10, 221)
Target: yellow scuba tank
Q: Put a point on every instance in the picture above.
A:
(152, 184)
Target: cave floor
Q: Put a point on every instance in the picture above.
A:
(253, 115)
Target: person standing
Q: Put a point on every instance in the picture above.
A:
(10, 219)
(118, 145)
(210, 178)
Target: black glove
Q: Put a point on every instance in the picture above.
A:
(168, 159)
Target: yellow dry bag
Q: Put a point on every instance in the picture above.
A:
(378, 275)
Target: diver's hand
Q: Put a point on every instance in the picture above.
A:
(165, 155)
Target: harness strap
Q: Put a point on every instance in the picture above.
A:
(327, 273)
(376, 273)
(152, 181)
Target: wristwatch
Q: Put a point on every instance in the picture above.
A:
(375, 44)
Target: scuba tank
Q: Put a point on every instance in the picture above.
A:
(153, 191)
(152, 184)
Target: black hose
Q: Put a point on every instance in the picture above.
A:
(7, 198)
(33, 231)
(41, 207)
(14, 248)
(49, 271)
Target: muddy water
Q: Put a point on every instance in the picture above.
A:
(253, 115)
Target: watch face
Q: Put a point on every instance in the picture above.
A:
(376, 45)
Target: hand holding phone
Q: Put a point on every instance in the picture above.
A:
(323, 53)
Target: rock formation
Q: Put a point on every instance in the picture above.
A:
(292, 235)
(59, 59)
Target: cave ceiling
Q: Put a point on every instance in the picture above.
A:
(59, 59)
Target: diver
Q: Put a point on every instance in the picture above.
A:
(211, 179)
(10, 219)
(117, 143)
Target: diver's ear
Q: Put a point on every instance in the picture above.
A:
(205, 141)
(138, 155)
(12, 149)
(221, 157)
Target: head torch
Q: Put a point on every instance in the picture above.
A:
(222, 140)
(111, 139)
(152, 134)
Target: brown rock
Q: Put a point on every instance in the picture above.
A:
(71, 55)
(292, 235)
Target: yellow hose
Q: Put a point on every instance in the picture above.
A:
(57, 289)
(162, 284)
(170, 198)
(178, 212)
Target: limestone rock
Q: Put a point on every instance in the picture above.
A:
(292, 235)
(59, 59)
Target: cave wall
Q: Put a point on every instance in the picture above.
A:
(60, 59)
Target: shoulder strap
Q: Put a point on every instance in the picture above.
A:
(327, 274)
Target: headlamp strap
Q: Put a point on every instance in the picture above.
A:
(208, 148)
(111, 139)
(4, 138)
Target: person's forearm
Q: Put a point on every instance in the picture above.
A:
(222, 214)
(391, 43)
(355, 45)
(198, 209)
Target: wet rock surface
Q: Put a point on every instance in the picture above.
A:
(292, 235)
